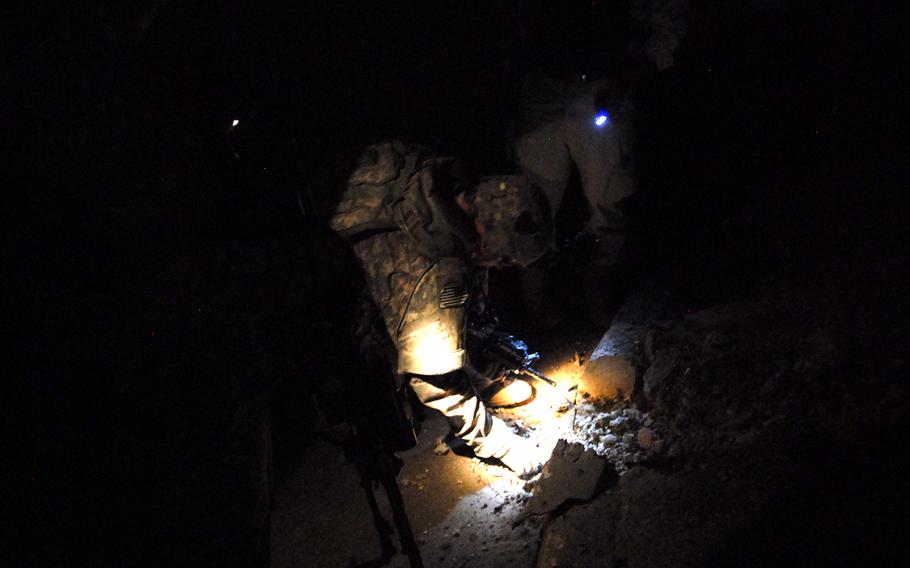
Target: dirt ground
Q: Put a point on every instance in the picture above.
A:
(749, 440)
(463, 512)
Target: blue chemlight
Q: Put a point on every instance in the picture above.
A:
(601, 118)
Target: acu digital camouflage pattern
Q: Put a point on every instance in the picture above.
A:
(363, 206)
(406, 187)
(431, 338)
(413, 241)
(392, 265)
(514, 218)
(407, 287)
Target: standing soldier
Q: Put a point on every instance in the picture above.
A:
(584, 60)
(418, 228)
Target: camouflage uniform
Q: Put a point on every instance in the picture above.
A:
(556, 126)
(414, 242)
(588, 57)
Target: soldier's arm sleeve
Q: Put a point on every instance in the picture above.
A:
(664, 24)
(431, 335)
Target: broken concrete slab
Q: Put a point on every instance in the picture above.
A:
(573, 473)
(586, 535)
(609, 377)
(737, 445)
(611, 371)
(621, 340)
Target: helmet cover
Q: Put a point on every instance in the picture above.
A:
(514, 220)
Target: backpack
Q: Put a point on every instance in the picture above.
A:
(398, 186)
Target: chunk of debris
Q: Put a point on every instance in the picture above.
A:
(572, 473)
(586, 535)
(618, 423)
(645, 438)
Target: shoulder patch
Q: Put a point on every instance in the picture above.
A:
(454, 294)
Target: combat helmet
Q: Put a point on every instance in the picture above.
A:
(513, 218)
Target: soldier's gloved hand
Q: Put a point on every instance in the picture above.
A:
(524, 457)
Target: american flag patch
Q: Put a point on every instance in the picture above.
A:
(453, 295)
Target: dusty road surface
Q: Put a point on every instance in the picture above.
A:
(750, 439)
(463, 511)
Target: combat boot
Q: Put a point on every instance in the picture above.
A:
(525, 457)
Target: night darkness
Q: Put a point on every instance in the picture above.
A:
(164, 264)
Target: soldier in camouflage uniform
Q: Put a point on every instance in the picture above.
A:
(417, 230)
(585, 61)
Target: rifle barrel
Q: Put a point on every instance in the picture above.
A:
(539, 376)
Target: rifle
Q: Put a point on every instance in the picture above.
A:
(506, 350)
(378, 426)
(382, 427)
(378, 465)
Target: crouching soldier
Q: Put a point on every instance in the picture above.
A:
(425, 237)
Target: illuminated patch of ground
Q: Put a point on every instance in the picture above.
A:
(463, 512)
(467, 512)
(462, 509)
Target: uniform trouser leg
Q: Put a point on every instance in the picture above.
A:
(542, 155)
(604, 159)
(556, 129)
(453, 396)
(545, 160)
(540, 149)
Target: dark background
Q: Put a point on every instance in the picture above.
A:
(771, 154)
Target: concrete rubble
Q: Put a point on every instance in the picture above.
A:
(616, 361)
(721, 450)
(742, 442)
(573, 473)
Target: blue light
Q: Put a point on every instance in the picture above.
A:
(601, 118)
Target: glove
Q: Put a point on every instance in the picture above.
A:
(524, 457)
